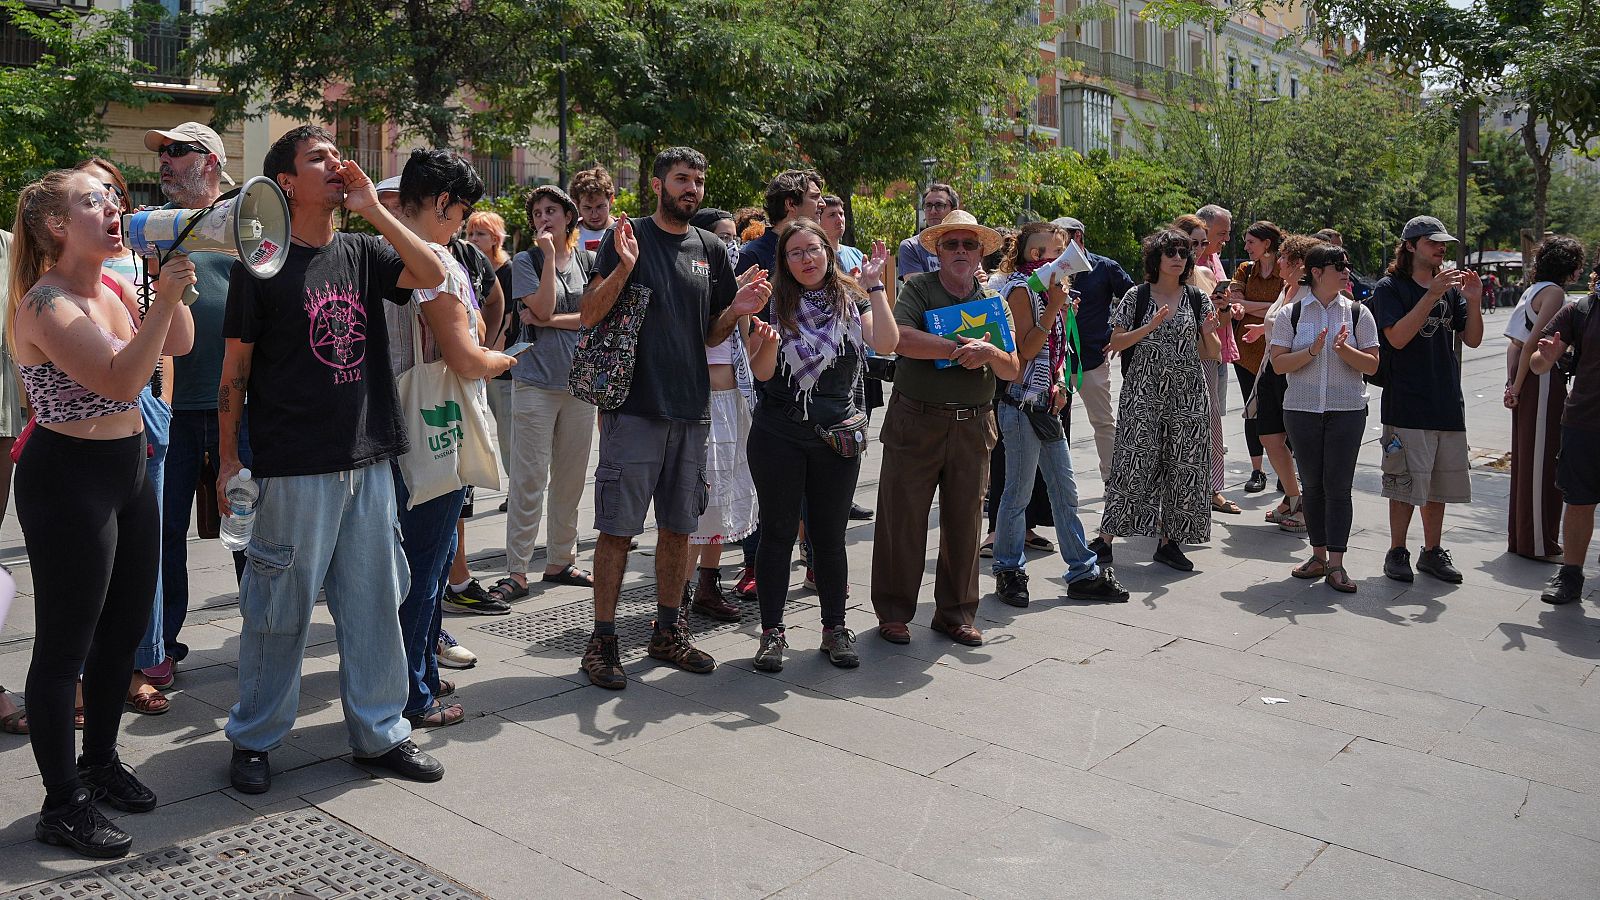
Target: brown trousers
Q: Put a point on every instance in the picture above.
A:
(927, 447)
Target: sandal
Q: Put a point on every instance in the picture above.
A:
(1312, 569)
(507, 589)
(1294, 520)
(1343, 585)
(1222, 504)
(986, 550)
(16, 721)
(446, 688)
(1039, 542)
(570, 575)
(151, 704)
(437, 716)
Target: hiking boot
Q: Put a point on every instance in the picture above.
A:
(115, 782)
(603, 664)
(709, 599)
(770, 657)
(1011, 586)
(1565, 586)
(1397, 564)
(475, 600)
(81, 825)
(839, 643)
(745, 587)
(1102, 550)
(1437, 562)
(673, 646)
(1103, 587)
(1172, 555)
(1257, 482)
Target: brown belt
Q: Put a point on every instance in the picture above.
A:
(949, 410)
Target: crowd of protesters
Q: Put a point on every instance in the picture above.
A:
(725, 364)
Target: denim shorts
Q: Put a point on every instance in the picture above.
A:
(644, 460)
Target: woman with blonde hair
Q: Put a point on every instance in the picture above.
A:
(84, 495)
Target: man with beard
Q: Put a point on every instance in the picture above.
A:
(192, 162)
(653, 446)
(309, 349)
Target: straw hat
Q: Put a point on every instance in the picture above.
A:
(960, 220)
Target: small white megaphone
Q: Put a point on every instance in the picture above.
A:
(252, 225)
(1071, 262)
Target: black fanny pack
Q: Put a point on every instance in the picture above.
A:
(1046, 425)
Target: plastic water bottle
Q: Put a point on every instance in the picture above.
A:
(242, 492)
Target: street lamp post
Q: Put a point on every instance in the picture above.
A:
(1255, 160)
(1022, 130)
(927, 180)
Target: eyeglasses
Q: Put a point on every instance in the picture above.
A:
(971, 245)
(179, 149)
(1196, 242)
(94, 201)
(936, 204)
(801, 254)
(1178, 251)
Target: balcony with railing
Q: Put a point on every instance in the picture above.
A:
(1087, 57)
(1119, 68)
(17, 47)
(161, 47)
(1047, 111)
(1149, 75)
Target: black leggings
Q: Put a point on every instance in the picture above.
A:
(1252, 436)
(1325, 449)
(790, 465)
(89, 519)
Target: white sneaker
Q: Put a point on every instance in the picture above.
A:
(452, 655)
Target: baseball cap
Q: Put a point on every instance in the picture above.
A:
(190, 133)
(1425, 227)
(389, 185)
(1069, 223)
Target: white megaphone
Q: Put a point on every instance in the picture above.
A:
(251, 225)
(1071, 262)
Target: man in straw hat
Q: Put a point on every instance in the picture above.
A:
(938, 431)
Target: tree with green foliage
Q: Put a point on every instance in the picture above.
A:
(52, 113)
(413, 64)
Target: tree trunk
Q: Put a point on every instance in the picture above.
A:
(1540, 157)
(647, 161)
(849, 218)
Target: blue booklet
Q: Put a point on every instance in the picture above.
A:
(983, 318)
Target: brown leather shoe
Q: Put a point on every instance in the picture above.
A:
(709, 600)
(894, 632)
(961, 634)
(674, 647)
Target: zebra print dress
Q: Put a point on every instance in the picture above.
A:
(1160, 481)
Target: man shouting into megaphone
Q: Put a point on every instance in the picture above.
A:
(191, 158)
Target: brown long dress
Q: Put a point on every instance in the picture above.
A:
(1534, 518)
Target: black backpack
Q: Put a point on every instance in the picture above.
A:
(1141, 306)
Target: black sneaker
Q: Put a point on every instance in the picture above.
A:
(1103, 587)
(1257, 482)
(1565, 586)
(1436, 562)
(1397, 564)
(1172, 555)
(407, 759)
(1011, 586)
(860, 513)
(1102, 550)
(116, 784)
(475, 600)
(249, 772)
(81, 825)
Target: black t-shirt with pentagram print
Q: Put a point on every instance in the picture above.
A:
(321, 394)
(1423, 389)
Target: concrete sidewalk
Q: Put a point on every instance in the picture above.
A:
(1436, 741)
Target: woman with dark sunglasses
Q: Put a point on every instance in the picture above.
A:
(1160, 481)
(1323, 345)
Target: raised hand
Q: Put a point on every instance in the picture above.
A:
(1445, 280)
(872, 267)
(547, 246)
(1056, 297)
(1210, 324)
(1163, 313)
(753, 295)
(627, 244)
(749, 275)
(1552, 347)
(359, 193)
(1316, 346)
(1341, 340)
(761, 334)
(1472, 288)
(175, 277)
(1253, 333)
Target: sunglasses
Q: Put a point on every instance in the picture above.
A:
(179, 149)
(969, 244)
(1342, 266)
(1176, 252)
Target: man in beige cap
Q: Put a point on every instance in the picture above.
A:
(937, 434)
(191, 160)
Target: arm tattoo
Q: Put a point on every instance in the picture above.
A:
(42, 299)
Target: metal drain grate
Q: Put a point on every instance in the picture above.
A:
(568, 627)
(296, 855)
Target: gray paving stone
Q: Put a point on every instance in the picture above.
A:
(846, 800)
(1340, 874)
(858, 876)
(1510, 759)
(1219, 841)
(1566, 810)
(1497, 794)
(609, 722)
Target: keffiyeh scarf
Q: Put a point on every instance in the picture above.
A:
(1037, 385)
(825, 327)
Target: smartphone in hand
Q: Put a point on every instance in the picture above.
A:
(518, 348)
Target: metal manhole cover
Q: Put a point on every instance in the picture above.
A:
(568, 627)
(295, 855)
